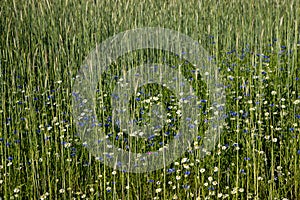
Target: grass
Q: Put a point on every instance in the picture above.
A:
(256, 47)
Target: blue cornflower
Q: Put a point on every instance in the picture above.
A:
(171, 170)
(211, 188)
(187, 173)
(186, 187)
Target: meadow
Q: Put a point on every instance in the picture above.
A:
(255, 46)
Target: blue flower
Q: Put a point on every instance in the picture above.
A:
(211, 188)
(171, 170)
(187, 173)
(186, 187)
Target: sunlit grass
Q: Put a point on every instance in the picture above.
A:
(255, 46)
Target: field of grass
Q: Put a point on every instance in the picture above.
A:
(254, 44)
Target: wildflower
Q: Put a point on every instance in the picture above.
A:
(16, 190)
(296, 102)
(184, 160)
(158, 190)
(108, 189)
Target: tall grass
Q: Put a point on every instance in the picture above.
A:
(255, 45)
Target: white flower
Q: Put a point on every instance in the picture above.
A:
(158, 190)
(233, 191)
(210, 179)
(186, 166)
(267, 137)
(16, 190)
(61, 191)
(267, 114)
(273, 92)
(155, 98)
(184, 160)
(202, 170)
(296, 102)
